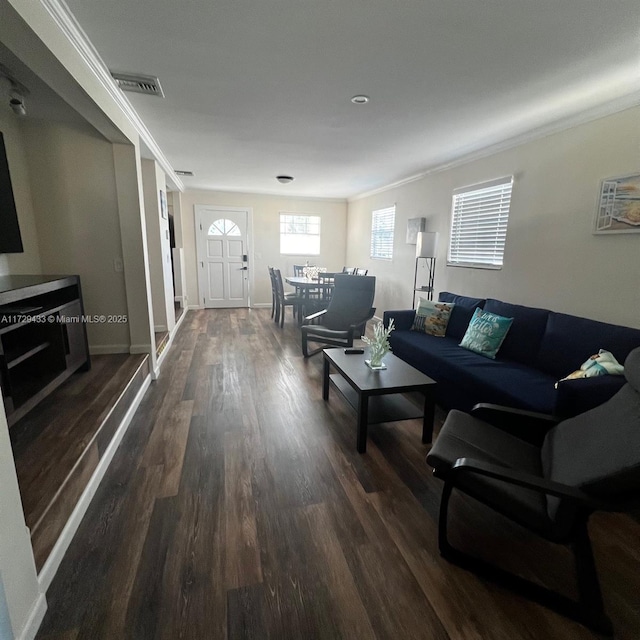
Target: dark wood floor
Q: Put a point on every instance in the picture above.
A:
(59, 443)
(237, 507)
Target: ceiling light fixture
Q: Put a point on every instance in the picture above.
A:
(360, 99)
(183, 172)
(284, 179)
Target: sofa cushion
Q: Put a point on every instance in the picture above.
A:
(473, 377)
(486, 333)
(525, 335)
(432, 317)
(569, 340)
(461, 314)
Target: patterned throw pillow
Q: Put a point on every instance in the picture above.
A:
(601, 364)
(486, 333)
(432, 317)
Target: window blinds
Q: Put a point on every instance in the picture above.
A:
(479, 224)
(382, 226)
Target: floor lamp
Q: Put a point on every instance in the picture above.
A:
(425, 250)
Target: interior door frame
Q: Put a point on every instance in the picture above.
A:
(197, 208)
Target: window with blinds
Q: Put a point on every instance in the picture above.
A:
(299, 234)
(382, 226)
(479, 218)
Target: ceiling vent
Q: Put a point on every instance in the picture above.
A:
(149, 85)
(180, 172)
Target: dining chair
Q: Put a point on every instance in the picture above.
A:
(351, 271)
(298, 270)
(361, 272)
(285, 300)
(274, 294)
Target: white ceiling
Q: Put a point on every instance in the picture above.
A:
(257, 88)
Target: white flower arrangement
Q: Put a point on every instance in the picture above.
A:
(379, 344)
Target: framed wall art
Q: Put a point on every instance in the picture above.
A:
(164, 211)
(414, 226)
(619, 205)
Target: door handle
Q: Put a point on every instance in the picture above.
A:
(243, 269)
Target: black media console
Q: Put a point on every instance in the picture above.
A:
(43, 338)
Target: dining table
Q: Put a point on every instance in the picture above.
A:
(307, 287)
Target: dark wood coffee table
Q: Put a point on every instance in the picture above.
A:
(375, 395)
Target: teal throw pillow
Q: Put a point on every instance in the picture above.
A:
(432, 317)
(486, 333)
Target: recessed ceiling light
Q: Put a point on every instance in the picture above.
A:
(183, 172)
(284, 179)
(360, 99)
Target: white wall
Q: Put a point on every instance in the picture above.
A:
(76, 212)
(266, 235)
(17, 566)
(552, 259)
(153, 179)
(29, 261)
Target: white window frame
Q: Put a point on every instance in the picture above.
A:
(383, 223)
(310, 220)
(479, 219)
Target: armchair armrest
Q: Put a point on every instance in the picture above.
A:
(314, 316)
(402, 319)
(519, 478)
(526, 425)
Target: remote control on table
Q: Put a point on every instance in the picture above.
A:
(353, 350)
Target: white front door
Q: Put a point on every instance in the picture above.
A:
(222, 248)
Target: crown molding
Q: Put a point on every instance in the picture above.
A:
(621, 103)
(75, 34)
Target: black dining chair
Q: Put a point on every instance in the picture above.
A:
(284, 300)
(274, 293)
(350, 307)
(350, 271)
(361, 272)
(298, 270)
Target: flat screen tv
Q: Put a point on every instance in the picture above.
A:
(10, 240)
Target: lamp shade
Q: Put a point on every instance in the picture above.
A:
(426, 245)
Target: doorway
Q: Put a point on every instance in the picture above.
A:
(222, 246)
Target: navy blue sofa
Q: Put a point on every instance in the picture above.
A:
(541, 347)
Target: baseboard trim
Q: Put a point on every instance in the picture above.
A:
(261, 305)
(160, 328)
(179, 321)
(105, 349)
(35, 618)
(195, 307)
(52, 563)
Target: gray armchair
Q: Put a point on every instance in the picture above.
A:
(350, 307)
(547, 477)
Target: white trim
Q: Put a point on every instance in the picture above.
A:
(179, 321)
(102, 349)
(159, 328)
(260, 305)
(75, 34)
(167, 346)
(36, 615)
(194, 307)
(594, 113)
(52, 563)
